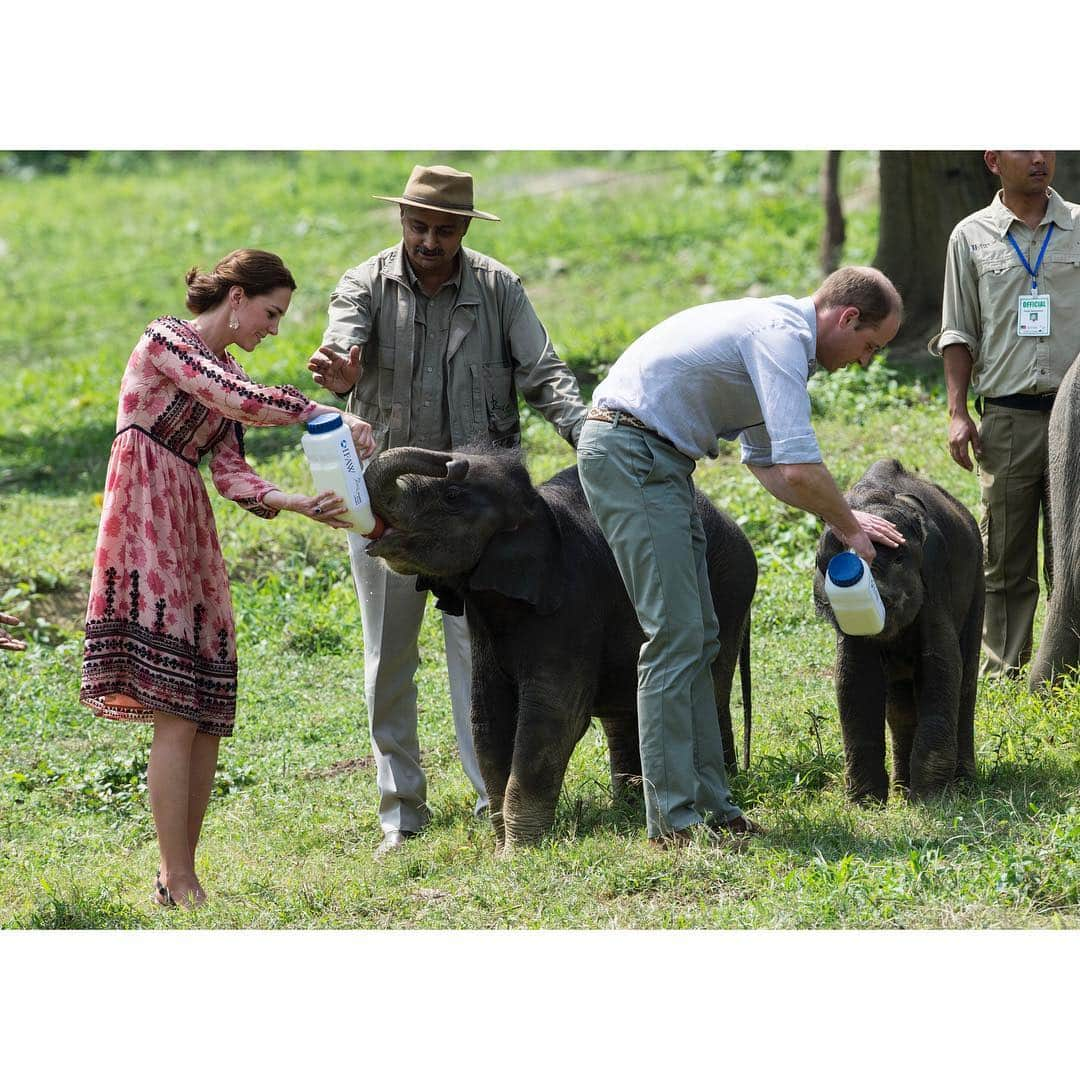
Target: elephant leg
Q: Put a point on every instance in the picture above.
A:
(624, 755)
(543, 744)
(934, 753)
(494, 725)
(723, 671)
(860, 696)
(970, 641)
(901, 718)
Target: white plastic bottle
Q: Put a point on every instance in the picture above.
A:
(855, 601)
(335, 467)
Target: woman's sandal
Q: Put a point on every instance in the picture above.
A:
(161, 894)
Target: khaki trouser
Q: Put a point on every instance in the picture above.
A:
(391, 611)
(1014, 478)
(639, 491)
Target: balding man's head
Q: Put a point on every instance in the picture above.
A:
(861, 287)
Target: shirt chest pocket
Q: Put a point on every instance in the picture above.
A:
(1065, 263)
(996, 267)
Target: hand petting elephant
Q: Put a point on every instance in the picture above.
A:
(1059, 646)
(920, 672)
(555, 639)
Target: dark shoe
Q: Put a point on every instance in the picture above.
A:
(738, 827)
(392, 841)
(677, 839)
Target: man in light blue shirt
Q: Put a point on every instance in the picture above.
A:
(736, 369)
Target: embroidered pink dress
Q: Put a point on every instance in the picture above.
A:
(159, 624)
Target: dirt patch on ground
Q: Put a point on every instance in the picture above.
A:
(339, 768)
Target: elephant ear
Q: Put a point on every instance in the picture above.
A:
(447, 598)
(935, 564)
(523, 563)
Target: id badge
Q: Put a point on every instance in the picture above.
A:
(1033, 315)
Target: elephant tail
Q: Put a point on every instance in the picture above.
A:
(744, 679)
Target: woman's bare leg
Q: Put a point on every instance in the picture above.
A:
(168, 777)
(204, 755)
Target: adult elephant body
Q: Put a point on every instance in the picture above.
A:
(920, 673)
(555, 639)
(1059, 646)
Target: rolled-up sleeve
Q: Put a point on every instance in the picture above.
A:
(545, 382)
(960, 320)
(776, 361)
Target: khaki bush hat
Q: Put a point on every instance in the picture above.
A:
(438, 187)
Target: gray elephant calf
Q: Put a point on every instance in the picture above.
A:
(921, 671)
(555, 639)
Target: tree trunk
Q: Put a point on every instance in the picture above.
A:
(832, 239)
(924, 193)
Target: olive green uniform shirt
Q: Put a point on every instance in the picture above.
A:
(444, 371)
(984, 279)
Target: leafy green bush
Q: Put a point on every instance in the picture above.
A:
(856, 394)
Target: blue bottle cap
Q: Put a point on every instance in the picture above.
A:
(845, 569)
(324, 422)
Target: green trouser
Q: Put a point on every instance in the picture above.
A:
(638, 487)
(1013, 476)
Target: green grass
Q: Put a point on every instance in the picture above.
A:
(608, 244)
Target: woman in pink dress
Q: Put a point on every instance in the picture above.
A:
(160, 643)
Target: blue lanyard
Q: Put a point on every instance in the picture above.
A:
(1038, 262)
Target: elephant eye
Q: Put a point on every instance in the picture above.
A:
(453, 493)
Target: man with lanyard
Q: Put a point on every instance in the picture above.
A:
(449, 338)
(1010, 328)
(736, 369)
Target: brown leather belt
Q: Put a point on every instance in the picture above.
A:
(614, 416)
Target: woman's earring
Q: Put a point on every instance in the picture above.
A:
(234, 322)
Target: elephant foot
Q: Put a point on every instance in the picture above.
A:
(871, 798)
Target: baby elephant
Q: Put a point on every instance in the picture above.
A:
(554, 637)
(920, 672)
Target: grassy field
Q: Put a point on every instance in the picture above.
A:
(608, 244)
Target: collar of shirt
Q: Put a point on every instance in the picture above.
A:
(1056, 211)
(805, 307)
(414, 281)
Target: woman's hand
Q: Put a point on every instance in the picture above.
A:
(362, 435)
(326, 507)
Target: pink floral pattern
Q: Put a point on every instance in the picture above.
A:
(159, 622)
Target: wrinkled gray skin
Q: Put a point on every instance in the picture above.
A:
(555, 639)
(920, 672)
(1059, 647)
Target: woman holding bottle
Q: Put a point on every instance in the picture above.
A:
(160, 641)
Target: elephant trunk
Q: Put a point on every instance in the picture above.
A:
(384, 471)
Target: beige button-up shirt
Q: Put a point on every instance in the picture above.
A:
(984, 280)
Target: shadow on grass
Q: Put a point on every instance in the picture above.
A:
(65, 460)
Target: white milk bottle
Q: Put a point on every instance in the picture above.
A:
(335, 467)
(850, 587)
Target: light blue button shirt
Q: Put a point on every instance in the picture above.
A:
(734, 369)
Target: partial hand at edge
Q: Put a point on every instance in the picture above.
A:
(6, 640)
(362, 435)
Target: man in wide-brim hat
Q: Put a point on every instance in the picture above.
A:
(431, 342)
